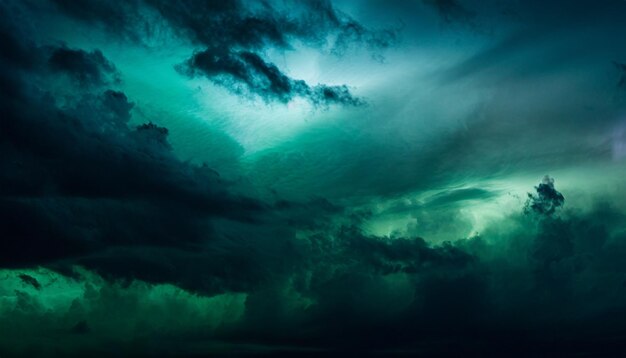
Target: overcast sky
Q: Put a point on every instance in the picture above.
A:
(243, 177)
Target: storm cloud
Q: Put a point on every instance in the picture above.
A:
(86, 67)
(235, 36)
(247, 72)
(149, 207)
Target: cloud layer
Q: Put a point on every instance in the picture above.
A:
(407, 226)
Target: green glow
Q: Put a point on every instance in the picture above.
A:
(235, 209)
(66, 309)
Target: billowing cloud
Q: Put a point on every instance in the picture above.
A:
(547, 200)
(235, 35)
(525, 274)
(86, 67)
(403, 227)
(78, 179)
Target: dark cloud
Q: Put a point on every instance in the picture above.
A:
(78, 180)
(387, 256)
(82, 186)
(246, 72)
(30, 280)
(451, 11)
(535, 286)
(240, 25)
(235, 35)
(232, 25)
(86, 67)
(169, 258)
(514, 285)
(153, 133)
(123, 19)
(547, 200)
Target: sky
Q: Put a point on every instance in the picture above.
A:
(428, 178)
